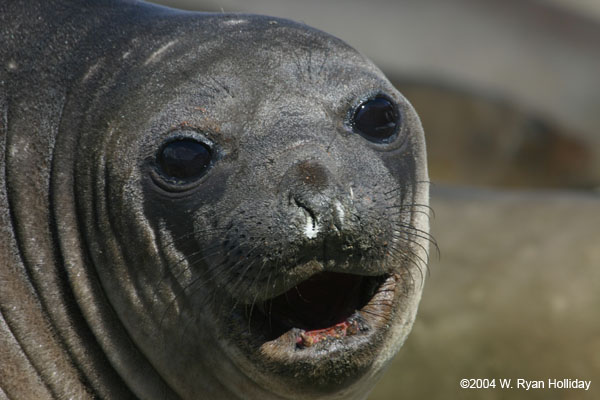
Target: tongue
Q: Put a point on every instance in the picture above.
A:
(319, 303)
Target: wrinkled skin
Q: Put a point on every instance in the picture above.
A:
(118, 282)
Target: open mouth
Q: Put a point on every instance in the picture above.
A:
(327, 306)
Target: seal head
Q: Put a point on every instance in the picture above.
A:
(261, 199)
(240, 205)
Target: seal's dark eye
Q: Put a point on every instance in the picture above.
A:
(377, 119)
(184, 159)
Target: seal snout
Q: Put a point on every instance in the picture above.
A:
(318, 200)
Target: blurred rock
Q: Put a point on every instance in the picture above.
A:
(473, 139)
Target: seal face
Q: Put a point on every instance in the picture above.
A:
(244, 198)
(293, 210)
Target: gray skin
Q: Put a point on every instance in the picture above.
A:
(118, 282)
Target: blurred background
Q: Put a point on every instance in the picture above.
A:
(509, 95)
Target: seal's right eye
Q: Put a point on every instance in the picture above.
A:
(184, 159)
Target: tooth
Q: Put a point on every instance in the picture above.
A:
(307, 340)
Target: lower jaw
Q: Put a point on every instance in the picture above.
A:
(340, 364)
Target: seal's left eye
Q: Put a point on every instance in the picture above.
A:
(377, 119)
(184, 159)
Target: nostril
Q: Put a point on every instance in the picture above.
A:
(311, 223)
(310, 213)
(313, 199)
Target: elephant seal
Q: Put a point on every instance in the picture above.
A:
(200, 205)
